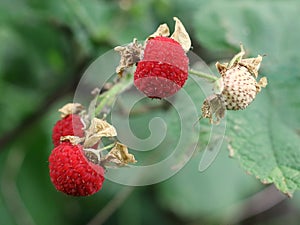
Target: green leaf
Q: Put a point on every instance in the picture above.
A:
(212, 195)
(265, 136)
(265, 146)
(220, 25)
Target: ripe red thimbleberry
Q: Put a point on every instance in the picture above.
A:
(71, 125)
(71, 172)
(164, 68)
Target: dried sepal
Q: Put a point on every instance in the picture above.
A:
(262, 83)
(162, 30)
(252, 64)
(102, 128)
(130, 55)
(92, 140)
(98, 129)
(222, 67)
(92, 155)
(119, 155)
(181, 35)
(70, 108)
(213, 108)
(74, 140)
(96, 91)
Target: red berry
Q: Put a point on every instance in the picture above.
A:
(72, 173)
(164, 68)
(69, 125)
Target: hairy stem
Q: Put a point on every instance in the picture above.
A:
(107, 98)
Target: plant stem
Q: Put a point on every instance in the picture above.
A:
(107, 98)
(238, 57)
(106, 147)
(206, 76)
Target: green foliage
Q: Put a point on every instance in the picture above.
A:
(46, 45)
(264, 137)
(213, 195)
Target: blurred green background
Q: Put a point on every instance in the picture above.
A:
(45, 46)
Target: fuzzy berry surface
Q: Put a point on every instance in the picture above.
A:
(69, 125)
(239, 88)
(71, 173)
(163, 70)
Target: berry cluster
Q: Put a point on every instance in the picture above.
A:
(76, 164)
(162, 68)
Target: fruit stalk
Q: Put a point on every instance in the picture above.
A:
(107, 98)
(206, 76)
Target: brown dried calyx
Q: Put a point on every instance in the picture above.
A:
(180, 34)
(98, 129)
(70, 108)
(119, 155)
(238, 86)
(130, 55)
(162, 30)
